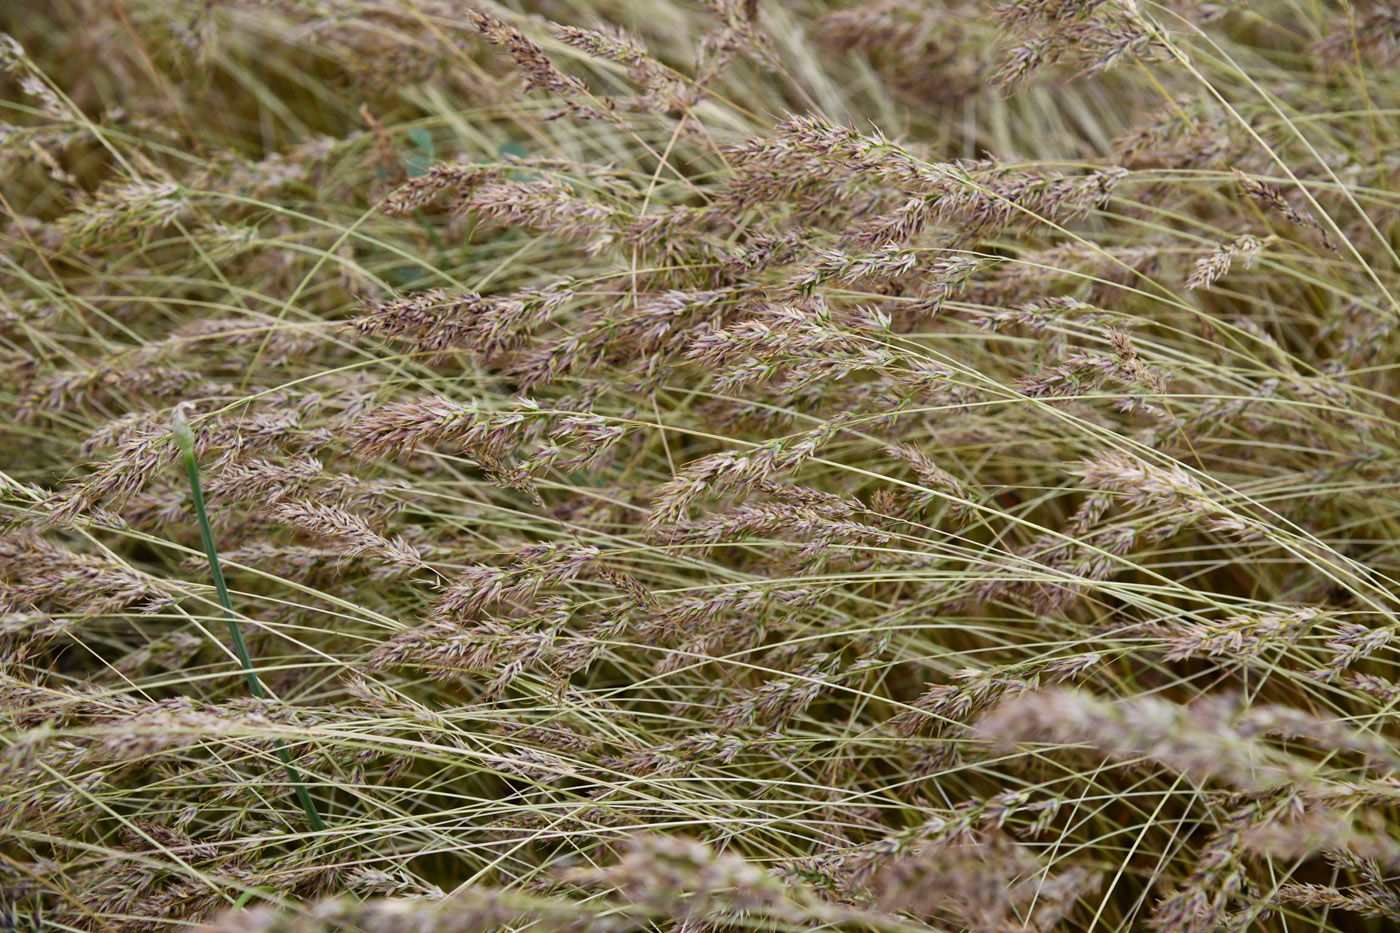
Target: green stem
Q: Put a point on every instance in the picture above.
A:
(185, 439)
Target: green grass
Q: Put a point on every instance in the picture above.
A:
(185, 440)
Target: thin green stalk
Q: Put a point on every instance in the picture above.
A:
(184, 439)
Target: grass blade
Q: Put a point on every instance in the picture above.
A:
(184, 438)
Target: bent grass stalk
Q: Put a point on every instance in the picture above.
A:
(184, 439)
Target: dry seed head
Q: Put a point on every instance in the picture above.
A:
(351, 533)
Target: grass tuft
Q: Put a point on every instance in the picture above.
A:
(904, 465)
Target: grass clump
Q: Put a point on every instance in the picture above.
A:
(893, 466)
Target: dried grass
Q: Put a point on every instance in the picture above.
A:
(738, 465)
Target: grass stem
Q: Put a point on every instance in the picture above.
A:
(184, 438)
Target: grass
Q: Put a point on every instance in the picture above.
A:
(896, 466)
(184, 440)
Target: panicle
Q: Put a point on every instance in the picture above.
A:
(351, 533)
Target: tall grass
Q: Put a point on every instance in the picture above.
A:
(700, 466)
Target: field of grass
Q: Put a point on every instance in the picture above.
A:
(699, 465)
